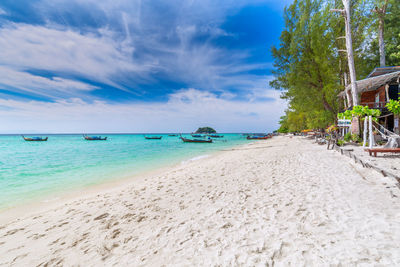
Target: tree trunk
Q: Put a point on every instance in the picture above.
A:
(381, 42)
(348, 96)
(381, 12)
(349, 46)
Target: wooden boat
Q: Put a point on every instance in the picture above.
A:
(197, 135)
(196, 140)
(94, 138)
(36, 138)
(153, 137)
(216, 136)
(254, 137)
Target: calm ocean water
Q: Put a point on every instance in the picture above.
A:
(34, 170)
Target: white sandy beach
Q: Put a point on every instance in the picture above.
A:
(283, 201)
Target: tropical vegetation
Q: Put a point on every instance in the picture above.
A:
(310, 63)
(394, 106)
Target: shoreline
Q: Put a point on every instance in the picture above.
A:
(282, 201)
(59, 198)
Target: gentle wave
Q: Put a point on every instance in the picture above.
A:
(195, 158)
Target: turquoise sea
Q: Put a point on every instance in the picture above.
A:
(30, 171)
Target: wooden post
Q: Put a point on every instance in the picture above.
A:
(365, 131)
(396, 124)
(371, 135)
(387, 92)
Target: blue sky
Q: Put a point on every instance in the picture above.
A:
(138, 66)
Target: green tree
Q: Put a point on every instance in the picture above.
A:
(391, 35)
(307, 65)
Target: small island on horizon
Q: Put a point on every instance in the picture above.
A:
(205, 130)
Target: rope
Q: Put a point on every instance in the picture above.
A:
(386, 133)
(382, 134)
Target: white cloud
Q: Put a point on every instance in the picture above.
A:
(2, 12)
(135, 41)
(96, 57)
(183, 112)
(102, 58)
(56, 87)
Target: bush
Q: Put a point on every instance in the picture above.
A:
(340, 142)
(355, 138)
(394, 106)
(347, 137)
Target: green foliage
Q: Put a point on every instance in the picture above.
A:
(355, 138)
(347, 137)
(362, 111)
(296, 121)
(309, 69)
(391, 35)
(345, 115)
(284, 125)
(205, 130)
(306, 68)
(358, 111)
(340, 142)
(394, 106)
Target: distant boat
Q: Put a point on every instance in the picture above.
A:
(35, 138)
(197, 135)
(153, 137)
(255, 137)
(196, 140)
(172, 135)
(94, 138)
(216, 136)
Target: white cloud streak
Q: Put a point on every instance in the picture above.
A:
(95, 57)
(56, 87)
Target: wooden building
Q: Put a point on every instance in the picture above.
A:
(375, 91)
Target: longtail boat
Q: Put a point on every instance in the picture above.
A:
(216, 136)
(258, 137)
(153, 137)
(196, 140)
(197, 135)
(94, 138)
(36, 138)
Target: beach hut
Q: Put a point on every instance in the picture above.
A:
(375, 91)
